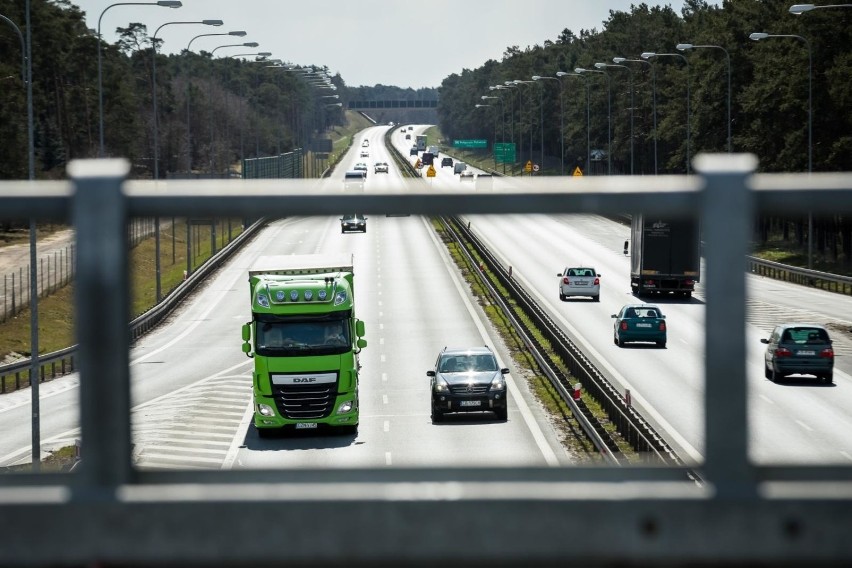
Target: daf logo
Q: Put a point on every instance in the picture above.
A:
(304, 380)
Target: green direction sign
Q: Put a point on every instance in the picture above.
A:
(504, 152)
(476, 143)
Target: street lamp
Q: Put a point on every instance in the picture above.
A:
(609, 115)
(522, 82)
(561, 121)
(502, 128)
(688, 46)
(164, 3)
(238, 33)
(630, 73)
(511, 119)
(495, 127)
(588, 120)
(799, 9)
(653, 97)
(650, 55)
(511, 85)
(757, 36)
(156, 137)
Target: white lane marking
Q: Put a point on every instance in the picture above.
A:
(384, 377)
(387, 426)
(805, 426)
(382, 358)
(767, 399)
(381, 326)
(381, 341)
(388, 460)
(384, 398)
(539, 437)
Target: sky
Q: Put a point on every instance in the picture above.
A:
(368, 42)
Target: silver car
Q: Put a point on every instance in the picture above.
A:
(579, 281)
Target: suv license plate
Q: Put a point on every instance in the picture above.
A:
(305, 425)
(470, 403)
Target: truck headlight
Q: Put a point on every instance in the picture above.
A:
(265, 410)
(263, 300)
(345, 408)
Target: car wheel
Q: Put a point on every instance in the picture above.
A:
(661, 344)
(502, 414)
(437, 416)
(766, 372)
(828, 378)
(618, 341)
(562, 297)
(775, 376)
(596, 298)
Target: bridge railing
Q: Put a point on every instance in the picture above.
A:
(109, 512)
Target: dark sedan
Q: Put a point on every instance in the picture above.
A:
(639, 322)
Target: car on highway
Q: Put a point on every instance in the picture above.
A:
(361, 167)
(580, 281)
(353, 223)
(466, 175)
(408, 136)
(446, 161)
(354, 180)
(365, 143)
(639, 323)
(413, 151)
(380, 167)
(798, 349)
(468, 379)
(459, 167)
(484, 181)
(365, 154)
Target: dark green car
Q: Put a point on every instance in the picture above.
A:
(639, 322)
(799, 349)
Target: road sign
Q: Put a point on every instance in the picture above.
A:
(528, 166)
(417, 164)
(504, 152)
(535, 167)
(577, 172)
(430, 172)
(475, 143)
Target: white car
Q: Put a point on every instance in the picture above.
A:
(365, 154)
(362, 167)
(365, 144)
(380, 167)
(579, 281)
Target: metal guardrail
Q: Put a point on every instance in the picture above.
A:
(109, 512)
(61, 362)
(801, 276)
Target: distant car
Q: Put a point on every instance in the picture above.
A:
(380, 167)
(411, 128)
(799, 349)
(350, 223)
(408, 136)
(639, 322)
(468, 380)
(579, 281)
(354, 180)
(365, 143)
(362, 167)
(365, 154)
(413, 151)
(459, 167)
(466, 175)
(484, 181)
(446, 162)
(428, 158)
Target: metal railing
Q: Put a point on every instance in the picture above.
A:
(801, 276)
(109, 512)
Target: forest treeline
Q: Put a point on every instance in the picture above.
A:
(768, 97)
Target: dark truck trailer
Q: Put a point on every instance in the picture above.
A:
(666, 255)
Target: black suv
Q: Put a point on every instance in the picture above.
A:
(468, 380)
(353, 223)
(446, 162)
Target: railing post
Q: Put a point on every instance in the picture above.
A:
(727, 206)
(99, 213)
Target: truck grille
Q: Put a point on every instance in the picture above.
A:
(468, 389)
(305, 402)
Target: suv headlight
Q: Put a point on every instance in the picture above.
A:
(441, 386)
(498, 383)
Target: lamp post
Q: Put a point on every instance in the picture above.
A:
(511, 85)
(561, 121)
(495, 127)
(653, 97)
(522, 82)
(650, 55)
(588, 116)
(188, 127)
(688, 46)
(609, 115)
(27, 80)
(164, 3)
(630, 73)
(757, 36)
(156, 139)
(799, 9)
(502, 127)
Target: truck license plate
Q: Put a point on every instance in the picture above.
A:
(305, 425)
(470, 403)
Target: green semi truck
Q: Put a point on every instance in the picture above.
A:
(305, 340)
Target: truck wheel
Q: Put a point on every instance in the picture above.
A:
(265, 432)
(348, 430)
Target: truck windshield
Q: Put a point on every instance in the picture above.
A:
(303, 338)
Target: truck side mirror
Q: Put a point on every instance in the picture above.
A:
(246, 331)
(361, 343)
(359, 328)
